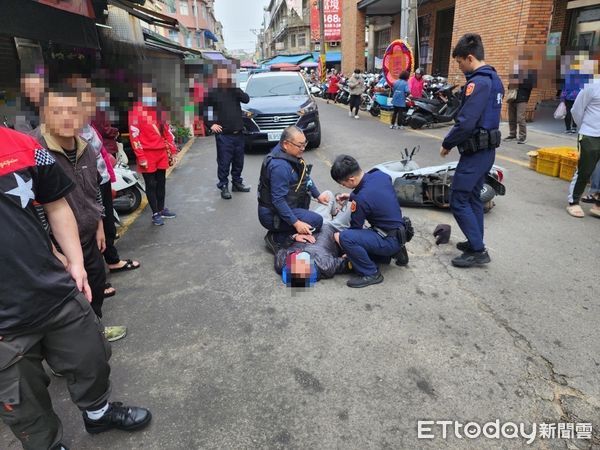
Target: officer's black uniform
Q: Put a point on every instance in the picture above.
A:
(477, 136)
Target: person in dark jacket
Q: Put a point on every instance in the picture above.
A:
(521, 81)
(32, 89)
(285, 189)
(223, 115)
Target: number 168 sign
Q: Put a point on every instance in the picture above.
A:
(332, 19)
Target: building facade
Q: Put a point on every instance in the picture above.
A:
(539, 31)
(198, 27)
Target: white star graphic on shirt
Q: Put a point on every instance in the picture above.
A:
(23, 191)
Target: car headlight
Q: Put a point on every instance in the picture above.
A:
(247, 114)
(312, 106)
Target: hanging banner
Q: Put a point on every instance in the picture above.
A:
(322, 70)
(333, 20)
(398, 57)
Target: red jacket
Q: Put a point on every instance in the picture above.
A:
(333, 87)
(147, 141)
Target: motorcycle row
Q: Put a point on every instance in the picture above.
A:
(440, 102)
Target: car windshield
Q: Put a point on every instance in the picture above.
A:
(274, 86)
(242, 77)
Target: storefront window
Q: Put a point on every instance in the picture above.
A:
(382, 40)
(585, 29)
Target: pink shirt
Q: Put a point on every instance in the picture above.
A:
(416, 87)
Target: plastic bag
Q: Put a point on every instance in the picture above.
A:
(561, 111)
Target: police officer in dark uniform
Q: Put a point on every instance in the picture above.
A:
(284, 191)
(373, 199)
(477, 136)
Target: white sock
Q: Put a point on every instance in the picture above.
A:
(95, 415)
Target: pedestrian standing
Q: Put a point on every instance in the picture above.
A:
(333, 87)
(44, 306)
(152, 142)
(416, 83)
(477, 136)
(400, 91)
(356, 83)
(28, 104)
(519, 90)
(573, 84)
(223, 115)
(586, 114)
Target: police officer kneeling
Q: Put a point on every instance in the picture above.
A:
(284, 191)
(372, 199)
(477, 136)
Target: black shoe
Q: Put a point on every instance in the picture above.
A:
(239, 187)
(271, 243)
(364, 281)
(522, 141)
(225, 194)
(471, 258)
(464, 246)
(127, 418)
(510, 138)
(401, 257)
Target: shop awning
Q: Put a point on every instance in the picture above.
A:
(291, 59)
(145, 14)
(214, 56)
(155, 40)
(380, 7)
(330, 57)
(209, 35)
(39, 22)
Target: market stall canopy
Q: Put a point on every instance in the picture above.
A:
(289, 59)
(309, 64)
(40, 22)
(285, 67)
(330, 57)
(214, 56)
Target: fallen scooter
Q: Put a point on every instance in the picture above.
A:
(129, 187)
(430, 186)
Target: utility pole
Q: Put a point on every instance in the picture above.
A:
(323, 54)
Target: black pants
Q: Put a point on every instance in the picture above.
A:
(398, 115)
(230, 157)
(569, 118)
(111, 255)
(354, 103)
(72, 342)
(156, 189)
(94, 266)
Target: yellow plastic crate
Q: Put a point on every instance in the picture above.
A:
(547, 166)
(568, 166)
(533, 155)
(385, 117)
(555, 153)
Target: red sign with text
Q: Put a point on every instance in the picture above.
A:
(333, 20)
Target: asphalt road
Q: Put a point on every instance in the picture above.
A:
(227, 357)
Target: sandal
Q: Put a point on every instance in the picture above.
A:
(590, 198)
(109, 291)
(575, 211)
(129, 265)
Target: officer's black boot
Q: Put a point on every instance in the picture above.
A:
(471, 258)
(401, 257)
(364, 281)
(240, 187)
(127, 418)
(225, 194)
(271, 243)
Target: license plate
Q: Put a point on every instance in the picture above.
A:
(276, 136)
(410, 112)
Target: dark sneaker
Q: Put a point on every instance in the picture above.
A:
(470, 259)
(271, 243)
(364, 281)
(239, 187)
(127, 418)
(464, 246)
(166, 214)
(157, 219)
(522, 141)
(225, 194)
(510, 138)
(401, 257)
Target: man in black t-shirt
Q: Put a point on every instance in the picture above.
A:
(44, 309)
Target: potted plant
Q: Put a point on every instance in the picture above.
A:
(182, 134)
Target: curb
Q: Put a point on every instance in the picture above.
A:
(131, 218)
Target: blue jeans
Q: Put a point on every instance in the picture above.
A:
(281, 229)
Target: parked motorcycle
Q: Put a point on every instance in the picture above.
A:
(441, 109)
(129, 187)
(430, 186)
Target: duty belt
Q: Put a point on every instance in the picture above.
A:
(481, 140)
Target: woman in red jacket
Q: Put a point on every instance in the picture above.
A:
(333, 88)
(152, 142)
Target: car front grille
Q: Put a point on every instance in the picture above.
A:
(274, 121)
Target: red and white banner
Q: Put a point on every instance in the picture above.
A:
(333, 20)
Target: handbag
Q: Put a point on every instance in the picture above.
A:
(511, 96)
(561, 111)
